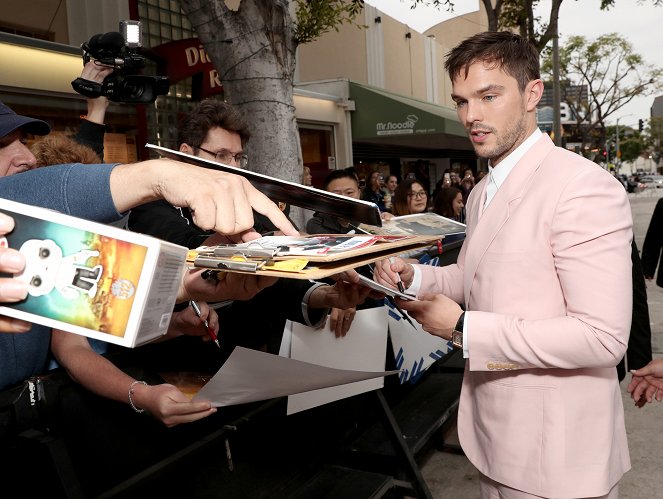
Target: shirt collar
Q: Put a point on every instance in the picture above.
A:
(500, 174)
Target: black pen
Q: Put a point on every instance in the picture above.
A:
(401, 288)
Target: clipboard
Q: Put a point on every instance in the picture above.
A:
(306, 267)
(288, 192)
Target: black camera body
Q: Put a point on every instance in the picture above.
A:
(122, 85)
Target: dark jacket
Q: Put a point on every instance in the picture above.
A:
(651, 248)
(323, 223)
(638, 352)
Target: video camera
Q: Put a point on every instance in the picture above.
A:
(120, 51)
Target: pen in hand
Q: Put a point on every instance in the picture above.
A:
(210, 330)
(401, 288)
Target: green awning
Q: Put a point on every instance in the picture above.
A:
(382, 114)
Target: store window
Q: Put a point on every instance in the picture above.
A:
(162, 21)
(318, 150)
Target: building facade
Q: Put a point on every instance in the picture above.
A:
(384, 104)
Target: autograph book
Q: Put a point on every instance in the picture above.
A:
(418, 224)
(288, 192)
(92, 279)
(304, 257)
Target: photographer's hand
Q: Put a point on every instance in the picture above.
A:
(96, 107)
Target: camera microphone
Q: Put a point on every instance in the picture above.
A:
(106, 47)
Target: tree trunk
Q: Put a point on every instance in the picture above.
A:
(493, 14)
(253, 49)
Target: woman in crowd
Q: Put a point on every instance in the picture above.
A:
(307, 178)
(449, 203)
(410, 197)
(373, 191)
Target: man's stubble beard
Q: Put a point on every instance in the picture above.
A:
(505, 140)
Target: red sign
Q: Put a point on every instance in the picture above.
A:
(183, 58)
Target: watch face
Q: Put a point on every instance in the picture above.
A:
(457, 339)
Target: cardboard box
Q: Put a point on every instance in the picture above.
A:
(93, 279)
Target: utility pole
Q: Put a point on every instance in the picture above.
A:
(557, 124)
(618, 152)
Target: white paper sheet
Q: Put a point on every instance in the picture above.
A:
(414, 349)
(250, 375)
(363, 347)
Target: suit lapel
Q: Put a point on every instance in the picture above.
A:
(506, 199)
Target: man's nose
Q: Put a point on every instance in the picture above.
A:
(472, 113)
(25, 157)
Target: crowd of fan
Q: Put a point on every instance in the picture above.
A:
(412, 195)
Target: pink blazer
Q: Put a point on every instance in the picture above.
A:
(545, 273)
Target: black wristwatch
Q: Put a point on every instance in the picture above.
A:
(457, 333)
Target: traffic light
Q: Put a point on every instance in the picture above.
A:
(641, 125)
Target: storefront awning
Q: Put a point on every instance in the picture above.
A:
(389, 118)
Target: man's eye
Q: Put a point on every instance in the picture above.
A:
(489, 97)
(460, 103)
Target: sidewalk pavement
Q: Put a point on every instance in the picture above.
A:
(451, 476)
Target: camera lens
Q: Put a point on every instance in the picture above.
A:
(132, 89)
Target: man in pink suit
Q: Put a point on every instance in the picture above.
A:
(545, 278)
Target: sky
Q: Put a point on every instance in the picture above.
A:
(639, 22)
(424, 16)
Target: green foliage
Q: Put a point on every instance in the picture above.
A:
(632, 148)
(610, 70)
(316, 17)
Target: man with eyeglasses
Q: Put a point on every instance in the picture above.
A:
(213, 130)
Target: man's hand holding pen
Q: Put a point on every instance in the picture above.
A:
(394, 273)
(187, 322)
(208, 328)
(437, 314)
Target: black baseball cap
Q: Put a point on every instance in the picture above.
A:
(10, 121)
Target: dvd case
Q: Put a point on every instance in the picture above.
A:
(93, 279)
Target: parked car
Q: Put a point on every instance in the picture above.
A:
(652, 180)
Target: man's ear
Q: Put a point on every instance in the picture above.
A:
(534, 92)
(186, 148)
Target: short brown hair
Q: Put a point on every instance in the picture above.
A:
(502, 49)
(58, 149)
(208, 114)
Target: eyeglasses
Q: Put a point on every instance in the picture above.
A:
(417, 194)
(225, 157)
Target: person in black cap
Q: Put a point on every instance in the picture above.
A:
(15, 157)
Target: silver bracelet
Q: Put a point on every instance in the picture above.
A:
(131, 392)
